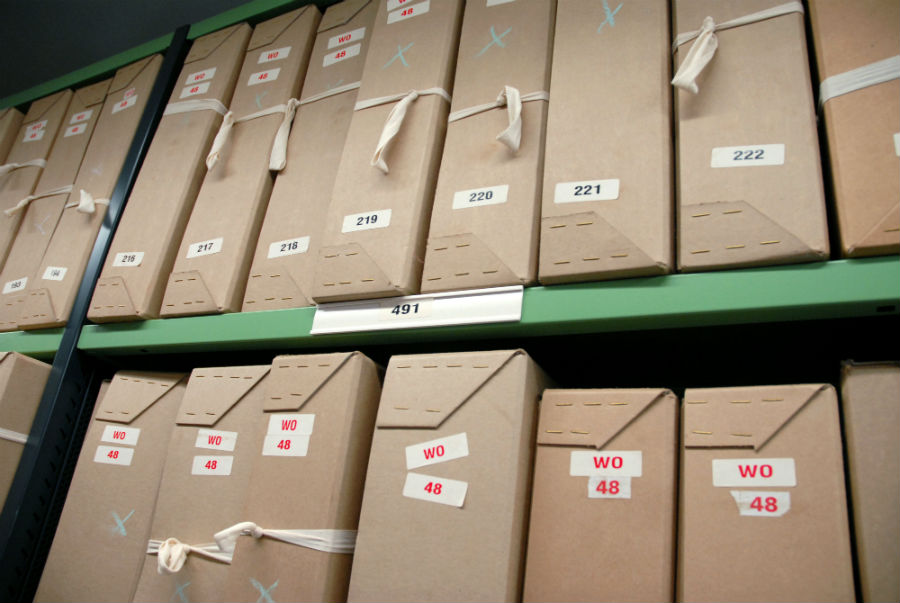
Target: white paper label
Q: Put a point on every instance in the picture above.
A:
(754, 503)
(897, 144)
(54, 273)
(395, 4)
(345, 38)
(75, 130)
(735, 473)
(117, 434)
(128, 258)
(195, 90)
(38, 125)
(124, 104)
(436, 451)
(496, 2)
(113, 455)
(609, 463)
(81, 116)
(339, 55)
(285, 445)
(212, 465)
(216, 440)
(200, 76)
(588, 190)
(205, 248)
(406, 311)
(261, 77)
(367, 220)
(435, 489)
(476, 197)
(291, 424)
(35, 131)
(747, 156)
(129, 93)
(16, 285)
(288, 247)
(409, 12)
(605, 486)
(276, 54)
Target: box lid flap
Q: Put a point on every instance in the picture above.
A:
(94, 94)
(127, 74)
(3, 355)
(741, 417)
(423, 390)
(295, 379)
(340, 14)
(206, 45)
(213, 391)
(591, 418)
(267, 32)
(132, 392)
(42, 106)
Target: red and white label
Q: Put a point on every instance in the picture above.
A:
(263, 77)
(607, 486)
(125, 103)
(755, 503)
(35, 131)
(81, 116)
(291, 424)
(345, 38)
(339, 55)
(285, 445)
(406, 12)
(128, 259)
(436, 451)
(117, 434)
(75, 130)
(130, 93)
(435, 489)
(606, 462)
(395, 4)
(16, 285)
(212, 465)
(195, 90)
(54, 273)
(735, 473)
(216, 440)
(275, 54)
(200, 76)
(113, 455)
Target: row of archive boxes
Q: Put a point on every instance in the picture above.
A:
(469, 476)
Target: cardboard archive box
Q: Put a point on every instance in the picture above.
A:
(373, 241)
(42, 209)
(608, 458)
(484, 224)
(445, 508)
(870, 396)
(27, 158)
(763, 510)
(10, 120)
(213, 259)
(749, 173)
(282, 273)
(112, 497)
(143, 249)
(306, 487)
(51, 291)
(854, 42)
(22, 381)
(608, 193)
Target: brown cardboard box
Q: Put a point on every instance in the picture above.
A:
(754, 117)
(143, 249)
(862, 127)
(44, 207)
(609, 458)
(307, 482)
(52, 290)
(373, 242)
(33, 143)
(10, 120)
(210, 270)
(608, 192)
(282, 273)
(870, 394)
(484, 225)
(22, 381)
(113, 493)
(445, 508)
(763, 512)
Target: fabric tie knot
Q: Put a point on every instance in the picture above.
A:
(698, 57)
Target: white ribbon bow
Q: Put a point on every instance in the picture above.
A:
(7, 168)
(278, 155)
(87, 204)
(172, 553)
(327, 541)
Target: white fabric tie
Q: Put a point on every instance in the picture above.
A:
(862, 77)
(200, 104)
(13, 436)
(328, 93)
(512, 99)
(703, 50)
(87, 204)
(327, 541)
(8, 167)
(278, 155)
(172, 554)
(63, 190)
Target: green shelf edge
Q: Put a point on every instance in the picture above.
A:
(41, 344)
(827, 290)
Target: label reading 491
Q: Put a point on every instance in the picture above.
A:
(405, 310)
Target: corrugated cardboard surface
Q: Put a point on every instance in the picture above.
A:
(10, 120)
(158, 208)
(49, 301)
(860, 126)
(803, 555)
(870, 396)
(299, 203)
(322, 490)
(416, 53)
(609, 119)
(417, 550)
(22, 381)
(232, 199)
(110, 506)
(595, 549)
(40, 217)
(755, 91)
(492, 245)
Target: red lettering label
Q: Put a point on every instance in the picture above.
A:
(195, 89)
(343, 39)
(272, 55)
(263, 76)
(750, 470)
(284, 445)
(113, 454)
(770, 505)
(341, 54)
(433, 488)
(211, 464)
(118, 435)
(288, 425)
(407, 11)
(611, 488)
(215, 440)
(604, 462)
(431, 453)
(199, 76)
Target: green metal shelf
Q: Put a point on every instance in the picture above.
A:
(828, 290)
(40, 344)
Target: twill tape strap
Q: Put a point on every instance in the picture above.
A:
(199, 104)
(8, 167)
(329, 93)
(172, 553)
(13, 436)
(703, 50)
(512, 99)
(86, 204)
(63, 190)
(327, 541)
(278, 156)
(394, 119)
(878, 72)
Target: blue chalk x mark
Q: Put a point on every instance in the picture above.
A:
(179, 592)
(120, 523)
(495, 39)
(610, 15)
(259, 98)
(264, 593)
(399, 55)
